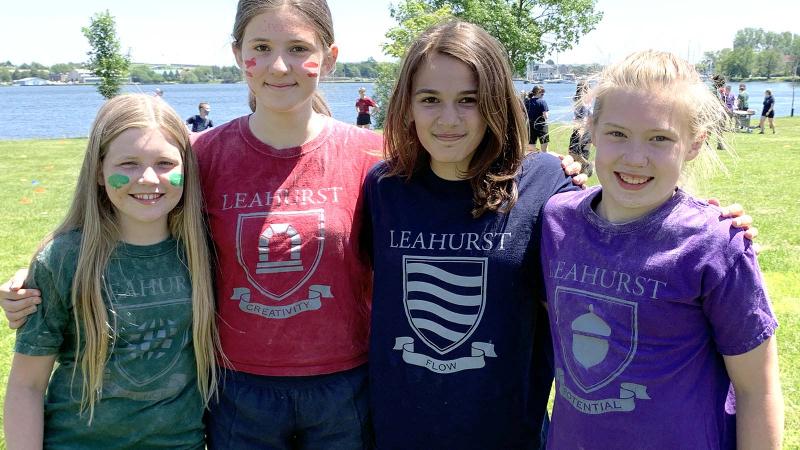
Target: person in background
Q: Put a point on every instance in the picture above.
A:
(158, 93)
(729, 100)
(743, 99)
(365, 107)
(580, 138)
(537, 110)
(768, 112)
(201, 121)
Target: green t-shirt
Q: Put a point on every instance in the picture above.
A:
(150, 397)
(742, 100)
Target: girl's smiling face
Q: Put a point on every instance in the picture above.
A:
(142, 173)
(642, 142)
(282, 59)
(446, 115)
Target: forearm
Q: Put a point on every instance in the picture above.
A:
(759, 421)
(23, 417)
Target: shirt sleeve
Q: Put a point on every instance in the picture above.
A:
(739, 310)
(43, 333)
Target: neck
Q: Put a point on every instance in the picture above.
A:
(450, 171)
(203, 114)
(286, 129)
(144, 234)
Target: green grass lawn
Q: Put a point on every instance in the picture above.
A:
(38, 176)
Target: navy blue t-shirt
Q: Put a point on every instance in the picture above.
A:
(199, 123)
(457, 356)
(536, 108)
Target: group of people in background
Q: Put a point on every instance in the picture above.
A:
(738, 106)
(425, 299)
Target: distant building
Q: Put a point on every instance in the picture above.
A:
(31, 81)
(82, 76)
(538, 71)
(59, 77)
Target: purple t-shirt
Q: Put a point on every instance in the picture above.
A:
(641, 314)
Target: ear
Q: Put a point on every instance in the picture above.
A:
(694, 150)
(330, 58)
(237, 54)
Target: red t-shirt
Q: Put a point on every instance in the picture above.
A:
(363, 105)
(292, 290)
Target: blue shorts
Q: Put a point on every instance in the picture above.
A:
(316, 412)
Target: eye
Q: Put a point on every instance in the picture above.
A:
(616, 134)
(469, 100)
(261, 48)
(661, 138)
(127, 164)
(429, 99)
(298, 49)
(168, 164)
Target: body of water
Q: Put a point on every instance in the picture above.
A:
(68, 111)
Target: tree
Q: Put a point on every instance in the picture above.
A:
(768, 62)
(737, 63)
(529, 29)
(105, 58)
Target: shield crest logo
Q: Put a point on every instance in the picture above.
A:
(444, 298)
(150, 350)
(598, 334)
(280, 250)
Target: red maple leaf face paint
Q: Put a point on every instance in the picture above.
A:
(249, 64)
(312, 69)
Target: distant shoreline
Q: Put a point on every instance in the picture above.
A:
(347, 80)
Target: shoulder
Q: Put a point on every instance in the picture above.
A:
(563, 202)
(62, 247)
(541, 168)
(376, 174)
(714, 236)
(218, 136)
(355, 137)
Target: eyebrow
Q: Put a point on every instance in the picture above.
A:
(434, 91)
(614, 125)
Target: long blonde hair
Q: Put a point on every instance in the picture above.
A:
(92, 213)
(494, 166)
(666, 75)
(317, 15)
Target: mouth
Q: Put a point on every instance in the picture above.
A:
(280, 85)
(147, 198)
(632, 182)
(449, 137)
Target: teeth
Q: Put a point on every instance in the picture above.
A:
(630, 179)
(147, 196)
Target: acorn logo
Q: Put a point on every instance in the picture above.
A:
(590, 339)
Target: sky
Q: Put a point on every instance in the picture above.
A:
(198, 31)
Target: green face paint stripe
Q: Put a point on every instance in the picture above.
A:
(176, 179)
(118, 180)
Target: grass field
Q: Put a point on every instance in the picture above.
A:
(37, 178)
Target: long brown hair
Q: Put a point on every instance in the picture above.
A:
(92, 213)
(317, 15)
(495, 164)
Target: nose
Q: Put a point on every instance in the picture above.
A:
(149, 176)
(449, 115)
(636, 155)
(278, 64)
